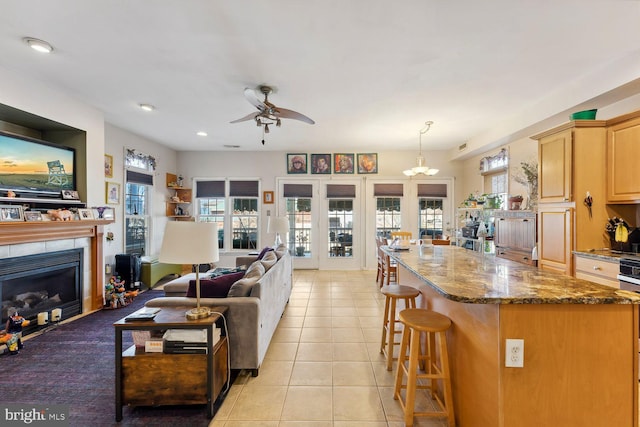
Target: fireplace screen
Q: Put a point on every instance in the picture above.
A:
(42, 282)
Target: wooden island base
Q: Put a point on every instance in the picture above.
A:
(580, 361)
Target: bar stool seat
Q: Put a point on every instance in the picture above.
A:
(434, 325)
(392, 294)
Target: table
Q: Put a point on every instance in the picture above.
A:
(171, 379)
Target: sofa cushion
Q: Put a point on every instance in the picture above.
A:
(281, 250)
(269, 260)
(263, 252)
(217, 287)
(255, 270)
(242, 288)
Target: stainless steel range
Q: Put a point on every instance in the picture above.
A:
(629, 276)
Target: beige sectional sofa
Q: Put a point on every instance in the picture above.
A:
(251, 318)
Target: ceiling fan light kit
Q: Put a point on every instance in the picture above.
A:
(268, 113)
(421, 167)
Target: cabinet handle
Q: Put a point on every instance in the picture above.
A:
(565, 199)
(525, 220)
(525, 257)
(595, 267)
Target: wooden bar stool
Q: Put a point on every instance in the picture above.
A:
(434, 325)
(392, 294)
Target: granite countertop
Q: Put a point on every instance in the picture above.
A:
(471, 277)
(605, 254)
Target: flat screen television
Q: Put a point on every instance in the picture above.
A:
(35, 168)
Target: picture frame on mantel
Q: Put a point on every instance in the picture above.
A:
(113, 193)
(11, 213)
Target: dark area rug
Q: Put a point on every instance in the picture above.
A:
(74, 364)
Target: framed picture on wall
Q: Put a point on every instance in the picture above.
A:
(343, 163)
(113, 193)
(267, 197)
(367, 163)
(297, 163)
(108, 166)
(321, 163)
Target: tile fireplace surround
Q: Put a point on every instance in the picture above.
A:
(18, 239)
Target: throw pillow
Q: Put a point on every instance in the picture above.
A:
(263, 252)
(242, 288)
(269, 260)
(214, 288)
(281, 250)
(255, 270)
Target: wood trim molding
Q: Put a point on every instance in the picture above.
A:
(28, 232)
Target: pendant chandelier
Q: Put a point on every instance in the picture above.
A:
(421, 167)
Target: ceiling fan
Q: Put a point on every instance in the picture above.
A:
(268, 114)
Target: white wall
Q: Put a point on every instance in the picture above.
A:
(117, 140)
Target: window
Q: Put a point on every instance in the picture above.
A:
(298, 200)
(388, 215)
(430, 212)
(137, 208)
(340, 219)
(233, 205)
(430, 218)
(494, 170)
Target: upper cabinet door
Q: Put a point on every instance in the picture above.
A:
(554, 177)
(623, 154)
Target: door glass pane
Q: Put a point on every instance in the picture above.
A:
(136, 218)
(244, 223)
(212, 210)
(299, 212)
(340, 227)
(430, 218)
(387, 216)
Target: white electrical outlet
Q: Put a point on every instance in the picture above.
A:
(514, 353)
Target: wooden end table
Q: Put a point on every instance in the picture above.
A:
(171, 379)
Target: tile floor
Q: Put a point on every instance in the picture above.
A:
(323, 367)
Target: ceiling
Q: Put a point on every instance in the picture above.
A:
(369, 72)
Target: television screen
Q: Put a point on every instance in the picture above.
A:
(31, 167)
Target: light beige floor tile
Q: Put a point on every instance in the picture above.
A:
(298, 302)
(371, 321)
(291, 322)
(227, 405)
(259, 403)
(355, 352)
(295, 311)
(372, 334)
(350, 335)
(320, 302)
(377, 313)
(282, 351)
(317, 322)
(345, 322)
(314, 352)
(272, 372)
(353, 374)
(344, 311)
(297, 405)
(312, 373)
(252, 423)
(319, 311)
(360, 424)
(342, 302)
(305, 424)
(357, 404)
(384, 378)
(286, 335)
(316, 335)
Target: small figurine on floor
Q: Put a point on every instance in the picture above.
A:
(13, 331)
(115, 292)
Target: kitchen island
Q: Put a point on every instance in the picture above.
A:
(580, 340)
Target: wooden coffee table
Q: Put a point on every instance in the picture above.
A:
(171, 379)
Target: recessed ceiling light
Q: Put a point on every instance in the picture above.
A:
(231, 146)
(38, 45)
(202, 133)
(147, 107)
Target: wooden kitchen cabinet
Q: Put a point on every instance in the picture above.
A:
(623, 151)
(572, 162)
(600, 271)
(515, 235)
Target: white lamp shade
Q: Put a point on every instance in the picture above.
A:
(187, 242)
(278, 224)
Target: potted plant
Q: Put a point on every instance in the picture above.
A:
(301, 239)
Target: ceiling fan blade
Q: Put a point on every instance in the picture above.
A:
(290, 114)
(251, 96)
(245, 118)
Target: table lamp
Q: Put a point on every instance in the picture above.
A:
(278, 224)
(186, 242)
